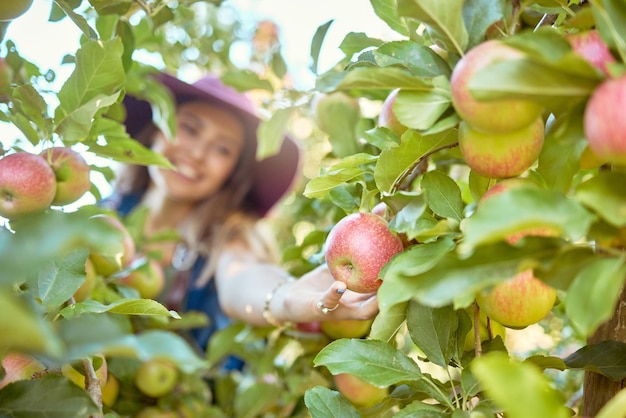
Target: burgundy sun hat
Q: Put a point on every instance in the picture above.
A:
(273, 176)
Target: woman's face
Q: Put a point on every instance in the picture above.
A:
(208, 143)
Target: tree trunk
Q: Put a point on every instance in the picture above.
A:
(597, 389)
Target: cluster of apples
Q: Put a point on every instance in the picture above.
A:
(31, 183)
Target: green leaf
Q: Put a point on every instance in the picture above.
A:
(607, 358)
(51, 396)
(393, 163)
(421, 109)
(355, 42)
(610, 18)
(433, 330)
(22, 326)
(615, 407)
(479, 15)
(387, 323)
(323, 402)
(78, 19)
(387, 78)
(519, 210)
(317, 42)
(606, 196)
(252, 400)
(387, 11)
(443, 20)
(592, 297)
(443, 195)
(30, 109)
(147, 307)
(319, 187)
(419, 409)
(399, 284)
(420, 60)
(95, 84)
(60, 279)
(374, 361)
(271, 133)
(520, 389)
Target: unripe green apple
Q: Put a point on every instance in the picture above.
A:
(12, 9)
(106, 263)
(517, 302)
(156, 377)
(604, 122)
(387, 117)
(20, 366)
(27, 184)
(591, 47)
(148, 279)
(488, 330)
(155, 412)
(84, 291)
(358, 247)
(71, 172)
(347, 328)
(496, 116)
(501, 155)
(360, 393)
(110, 390)
(78, 378)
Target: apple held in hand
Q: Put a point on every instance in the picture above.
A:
(156, 378)
(27, 184)
(496, 116)
(517, 302)
(604, 122)
(148, 278)
(503, 155)
(359, 392)
(71, 172)
(358, 247)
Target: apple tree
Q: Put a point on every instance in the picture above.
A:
(472, 96)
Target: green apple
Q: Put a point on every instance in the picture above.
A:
(12, 9)
(604, 122)
(27, 184)
(156, 377)
(517, 302)
(488, 330)
(155, 412)
(387, 117)
(360, 393)
(84, 291)
(148, 278)
(77, 376)
(496, 116)
(106, 261)
(358, 247)
(347, 328)
(110, 390)
(71, 172)
(502, 155)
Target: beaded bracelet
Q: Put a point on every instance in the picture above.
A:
(267, 313)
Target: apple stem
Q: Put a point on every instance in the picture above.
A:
(92, 385)
(412, 172)
(477, 344)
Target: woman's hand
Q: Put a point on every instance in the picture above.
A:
(317, 296)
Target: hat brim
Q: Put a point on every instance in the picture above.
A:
(273, 176)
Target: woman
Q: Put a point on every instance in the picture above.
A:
(223, 264)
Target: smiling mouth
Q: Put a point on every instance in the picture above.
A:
(188, 172)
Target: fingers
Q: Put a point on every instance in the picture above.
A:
(339, 303)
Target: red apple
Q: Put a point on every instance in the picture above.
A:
(387, 117)
(517, 302)
(360, 393)
(27, 184)
(604, 122)
(347, 328)
(592, 48)
(156, 377)
(358, 247)
(71, 172)
(148, 278)
(496, 116)
(501, 155)
(20, 366)
(106, 263)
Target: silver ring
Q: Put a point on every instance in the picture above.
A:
(324, 309)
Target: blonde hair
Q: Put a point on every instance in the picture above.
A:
(229, 216)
